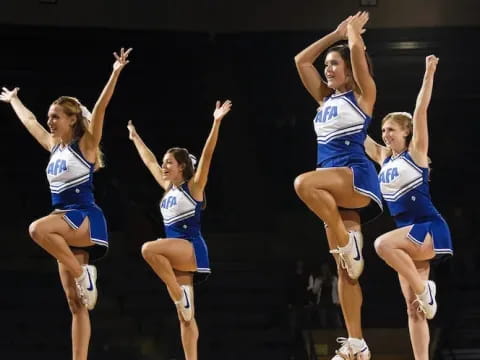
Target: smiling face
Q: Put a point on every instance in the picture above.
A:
(396, 132)
(337, 72)
(60, 124)
(172, 170)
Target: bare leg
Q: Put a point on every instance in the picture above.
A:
(165, 255)
(81, 329)
(349, 291)
(417, 323)
(188, 329)
(323, 191)
(54, 235)
(399, 253)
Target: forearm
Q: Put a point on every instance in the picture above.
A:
(355, 40)
(311, 53)
(211, 142)
(425, 93)
(26, 116)
(107, 92)
(145, 153)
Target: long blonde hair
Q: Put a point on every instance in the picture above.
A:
(72, 107)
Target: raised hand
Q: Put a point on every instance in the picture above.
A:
(132, 132)
(358, 21)
(8, 95)
(121, 60)
(341, 29)
(221, 109)
(431, 62)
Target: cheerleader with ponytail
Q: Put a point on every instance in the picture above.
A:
(183, 253)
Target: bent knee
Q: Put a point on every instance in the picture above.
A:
(147, 250)
(300, 184)
(36, 230)
(305, 189)
(381, 246)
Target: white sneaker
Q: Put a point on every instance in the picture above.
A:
(347, 351)
(351, 258)
(185, 305)
(86, 286)
(426, 301)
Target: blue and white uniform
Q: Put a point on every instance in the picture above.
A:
(341, 128)
(405, 188)
(70, 177)
(181, 217)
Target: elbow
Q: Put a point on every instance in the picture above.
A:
(300, 60)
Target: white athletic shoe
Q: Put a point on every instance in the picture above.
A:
(351, 258)
(426, 301)
(86, 286)
(185, 305)
(347, 352)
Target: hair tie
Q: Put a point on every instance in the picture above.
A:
(193, 159)
(86, 113)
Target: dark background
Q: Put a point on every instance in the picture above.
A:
(254, 224)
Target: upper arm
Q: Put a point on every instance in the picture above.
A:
(199, 180)
(375, 151)
(156, 170)
(363, 78)
(312, 81)
(419, 144)
(40, 134)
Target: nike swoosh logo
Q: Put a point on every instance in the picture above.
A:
(90, 287)
(356, 247)
(187, 306)
(431, 297)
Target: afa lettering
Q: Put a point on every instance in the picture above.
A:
(326, 114)
(388, 175)
(57, 167)
(168, 202)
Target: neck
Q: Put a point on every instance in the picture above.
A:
(178, 182)
(343, 89)
(396, 152)
(65, 140)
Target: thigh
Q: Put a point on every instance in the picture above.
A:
(339, 183)
(55, 223)
(179, 252)
(398, 239)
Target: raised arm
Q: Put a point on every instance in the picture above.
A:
(91, 139)
(361, 72)
(419, 144)
(27, 118)
(375, 151)
(304, 60)
(199, 181)
(147, 156)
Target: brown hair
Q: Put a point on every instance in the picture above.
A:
(344, 52)
(72, 107)
(183, 157)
